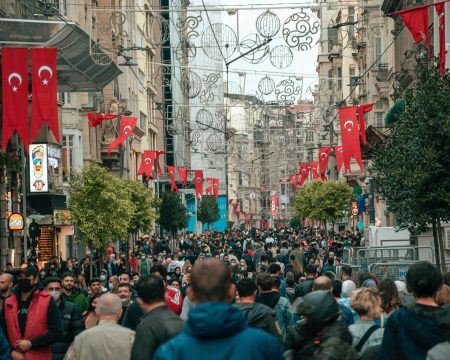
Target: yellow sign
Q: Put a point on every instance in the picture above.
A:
(15, 222)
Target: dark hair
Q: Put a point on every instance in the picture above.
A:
(150, 289)
(124, 285)
(159, 268)
(211, 281)
(310, 269)
(274, 268)
(246, 287)
(95, 280)
(423, 280)
(446, 278)
(337, 288)
(363, 275)
(330, 261)
(276, 282)
(265, 281)
(390, 299)
(53, 279)
(67, 274)
(347, 270)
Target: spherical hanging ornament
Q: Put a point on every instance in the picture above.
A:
(219, 34)
(204, 119)
(250, 42)
(301, 31)
(268, 24)
(191, 84)
(281, 56)
(215, 143)
(266, 85)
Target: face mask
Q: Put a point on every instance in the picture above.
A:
(111, 286)
(25, 285)
(102, 277)
(55, 294)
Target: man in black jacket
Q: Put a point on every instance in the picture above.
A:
(72, 320)
(306, 286)
(159, 323)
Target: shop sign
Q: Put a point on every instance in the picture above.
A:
(15, 222)
(38, 168)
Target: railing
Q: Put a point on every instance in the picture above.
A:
(391, 270)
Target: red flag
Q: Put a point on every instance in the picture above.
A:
(15, 94)
(362, 122)
(294, 182)
(324, 156)
(216, 188)
(339, 154)
(246, 217)
(127, 125)
(315, 170)
(304, 170)
(182, 174)
(171, 172)
(273, 205)
(416, 20)
(300, 179)
(158, 165)
(210, 189)
(44, 108)
(235, 209)
(96, 119)
(146, 166)
(198, 181)
(350, 136)
(440, 9)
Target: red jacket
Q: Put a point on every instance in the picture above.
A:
(174, 299)
(36, 323)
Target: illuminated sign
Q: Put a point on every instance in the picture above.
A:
(38, 168)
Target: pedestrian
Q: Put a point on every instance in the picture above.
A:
(305, 287)
(106, 341)
(410, 333)
(214, 326)
(124, 293)
(71, 294)
(282, 309)
(6, 285)
(30, 318)
(71, 318)
(158, 324)
(91, 318)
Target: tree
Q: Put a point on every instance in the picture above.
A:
(99, 206)
(325, 201)
(413, 166)
(143, 204)
(172, 212)
(208, 210)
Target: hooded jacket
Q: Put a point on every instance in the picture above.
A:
(269, 299)
(259, 316)
(410, 333)
(219, 331)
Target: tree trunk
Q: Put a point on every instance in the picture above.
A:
(441, 244)
(436, 244)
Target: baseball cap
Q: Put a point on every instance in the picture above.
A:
(27, 269)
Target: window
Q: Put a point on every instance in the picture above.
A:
(310, 136)
(339, 75)
(377, 59)
(353, 78)
(240, 178)
(67, 156)
(283, 189)
(330, 79)
(332, 38)
(379, 105)
(379, 119)
(139, 38)
(142, 120)
(141, 77)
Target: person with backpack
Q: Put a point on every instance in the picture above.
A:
(319, 334)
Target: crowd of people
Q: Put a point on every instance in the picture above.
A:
(259, 294)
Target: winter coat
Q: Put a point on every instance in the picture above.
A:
(259, 316)
(269, 299)
(219, 331)
(410, 333)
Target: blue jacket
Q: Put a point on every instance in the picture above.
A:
(409, 334)
(5, 350)
(219, 331)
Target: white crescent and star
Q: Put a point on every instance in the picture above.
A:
(147, 161)
(45, 68)
(348, 122)
(16, 76)
(127, 129)
(323, 155)
(341, 149)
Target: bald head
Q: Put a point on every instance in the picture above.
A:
(323, 283)
(109, 306)
(6, 283)
(211, 281)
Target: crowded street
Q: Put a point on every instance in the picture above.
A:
(224, 180)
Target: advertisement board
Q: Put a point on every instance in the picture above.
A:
(38, 168)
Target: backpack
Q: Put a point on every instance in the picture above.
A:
(331, 348)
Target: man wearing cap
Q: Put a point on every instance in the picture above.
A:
(30, 318)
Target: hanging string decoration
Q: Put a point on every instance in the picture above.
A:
(219, 39)
(268, 24)
(251, 42)
(301, 30)
(281, 56)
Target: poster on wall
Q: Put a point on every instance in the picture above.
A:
(38, 168)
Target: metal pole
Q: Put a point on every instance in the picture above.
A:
(225, 129)
(372, 202)
(24, 204)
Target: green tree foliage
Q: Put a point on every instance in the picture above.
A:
(326, 201)
(208, 210)
(172, 212)
(413, 166)
(99, 206)
(143, 206)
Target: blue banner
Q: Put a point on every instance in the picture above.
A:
(219, 225)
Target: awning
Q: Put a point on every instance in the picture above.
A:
(77, 71)
(396, 110)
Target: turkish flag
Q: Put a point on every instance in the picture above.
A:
(216, 188)
(198, 181)
(440, 9)
(273, 205)
(339, 154)
(127, 125)
(315, 170)
(350, 136)
(324, 156)
(96, 119)
(304, 170)
(416, 20)
(182, 174)
(235, 209)
(294, 182)
(15, 94)
(44, 106)
(362, 122)
(147, 161)
(158, 165)
(300, 178)
(171, 172)
(210, 189)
